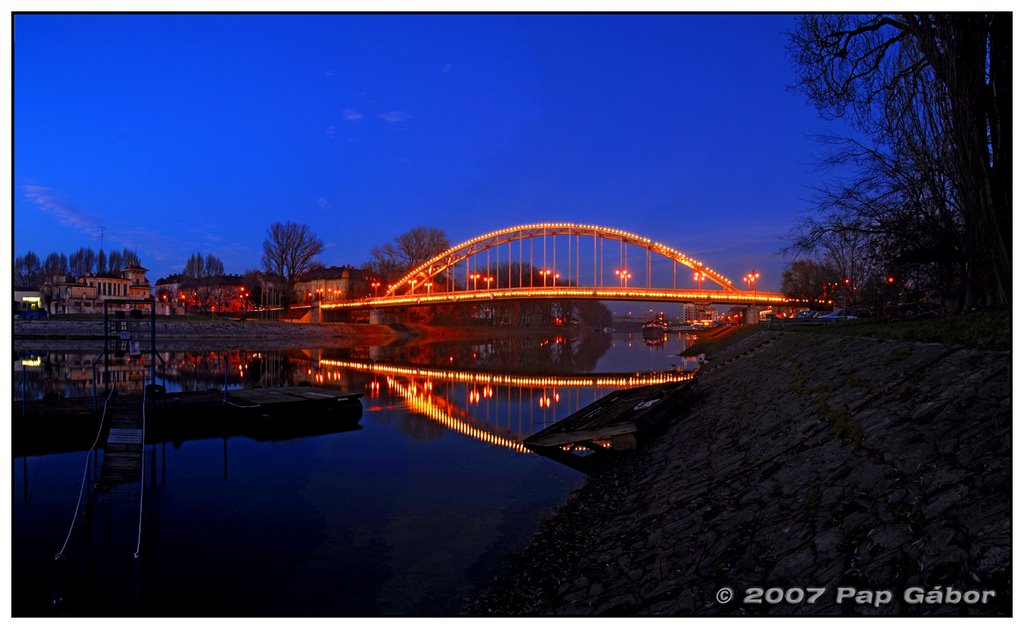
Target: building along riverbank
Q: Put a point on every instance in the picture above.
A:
(810, 460)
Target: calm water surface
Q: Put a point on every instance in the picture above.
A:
(407, 514)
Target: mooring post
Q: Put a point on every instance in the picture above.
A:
(152, 341)
(93, 386)
(106, 346)
(138, 585)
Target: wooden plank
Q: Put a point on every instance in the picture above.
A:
(312, 395)
(125, 434)
(123, 449)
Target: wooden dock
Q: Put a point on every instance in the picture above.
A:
(615, 422)
(70, 425)
(122, 450)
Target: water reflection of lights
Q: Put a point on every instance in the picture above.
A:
(473, 377)
(418, 393)
(421, 402)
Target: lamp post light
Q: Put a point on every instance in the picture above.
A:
(623, 275)
(544, 274)
(375, 286)
(488, 279)
(699, 276)
(751, 279)
(474, 277)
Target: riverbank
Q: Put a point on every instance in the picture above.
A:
(810, 460)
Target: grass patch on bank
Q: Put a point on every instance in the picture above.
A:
(717, 338)
(842, 424)
(983, 330)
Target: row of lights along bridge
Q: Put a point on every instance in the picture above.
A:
(623, 274)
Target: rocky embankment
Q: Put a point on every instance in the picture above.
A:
(223, 334)
(809, 461)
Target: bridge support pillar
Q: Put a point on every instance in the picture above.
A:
(750, 315)
(314, 312)
(376, 316)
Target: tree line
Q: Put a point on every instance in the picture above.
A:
(30, 273)
(926, 198)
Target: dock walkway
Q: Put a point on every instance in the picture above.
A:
(122, 450)
(70, 425)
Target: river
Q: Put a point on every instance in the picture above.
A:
(407, 514)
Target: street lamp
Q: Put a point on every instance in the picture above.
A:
(474, 277)
(488, 279)
(623, 276)
(375, 286)
(751, 279)
(699, 277)
(545, 273)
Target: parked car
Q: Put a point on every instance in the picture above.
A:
(841, 314)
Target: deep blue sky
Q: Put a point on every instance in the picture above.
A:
(183, 133)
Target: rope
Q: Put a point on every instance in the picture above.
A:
(142, 474)
(85, 471)
(237, 405)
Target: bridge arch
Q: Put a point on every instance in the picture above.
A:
(463, 251)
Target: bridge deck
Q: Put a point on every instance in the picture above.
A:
(604, 293)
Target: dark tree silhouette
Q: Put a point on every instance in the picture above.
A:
(410, 249)
(807, 280)
(82, 262)
(27, 272)
(55, 265)
(201, 275)
(288, 252)
(931, 94)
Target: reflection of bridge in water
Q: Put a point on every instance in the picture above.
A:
(496, 408)
(559, 261)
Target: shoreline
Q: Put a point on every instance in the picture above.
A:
(807, 460)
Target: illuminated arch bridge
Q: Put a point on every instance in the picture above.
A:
(560, 261)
